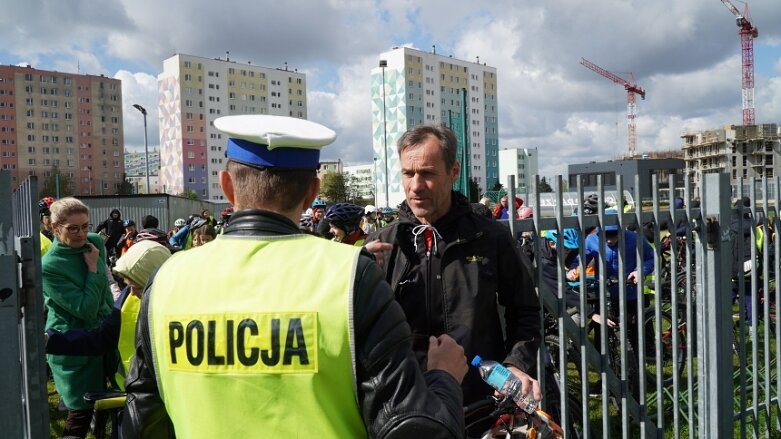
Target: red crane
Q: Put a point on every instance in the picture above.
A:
(631, 88)
(747, 34)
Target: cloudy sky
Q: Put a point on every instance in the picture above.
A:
(686, 54)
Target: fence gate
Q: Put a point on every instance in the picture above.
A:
(23, 405)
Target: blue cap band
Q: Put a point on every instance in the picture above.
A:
(257, 154)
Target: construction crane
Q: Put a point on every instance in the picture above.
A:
(747, 34)
(631, 89)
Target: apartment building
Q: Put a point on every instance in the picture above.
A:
(747, 152)
(412, 87)
(193, 92)
(361, 181)
(69, 121)
(135, 170)
(520, 162)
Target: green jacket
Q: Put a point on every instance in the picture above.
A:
(75, 298)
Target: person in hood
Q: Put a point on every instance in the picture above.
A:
(450, 268)
(150, 231)
(114, 228)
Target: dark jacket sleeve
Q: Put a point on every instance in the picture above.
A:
(145, 415)
(397, 400)
(521, 305)
(81, 341)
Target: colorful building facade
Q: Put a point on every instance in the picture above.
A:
(412, 87)
(67, 121)
(193, 92)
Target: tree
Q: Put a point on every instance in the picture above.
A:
(474, 190)
(48, 186)
(334, 187)
(497, 186)
(126, 187)
(189, 194)
(544, 186)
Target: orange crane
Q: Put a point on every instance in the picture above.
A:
(747, 34)
(631, 89)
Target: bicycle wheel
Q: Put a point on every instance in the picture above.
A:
(554, 378)
(664, 327)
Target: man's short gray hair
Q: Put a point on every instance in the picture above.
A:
(416, 135)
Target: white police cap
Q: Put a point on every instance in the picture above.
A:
(274, 141)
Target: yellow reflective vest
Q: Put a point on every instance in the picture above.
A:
(252, 337)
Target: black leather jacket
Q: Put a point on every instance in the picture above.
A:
(454, 290)
(395, 398)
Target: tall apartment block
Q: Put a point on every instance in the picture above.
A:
(742, 151)
(193, 92)
(70, 121)
(520, 162)
(412, 87)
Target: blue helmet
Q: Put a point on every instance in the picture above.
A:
(346, 216)
(571, 237)
(614, 227)
(318, 203)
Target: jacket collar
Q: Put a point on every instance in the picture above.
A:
(456, 225)
(256, 222)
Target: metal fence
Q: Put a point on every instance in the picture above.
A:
(24, 404)
(166, 208)
(701, 362)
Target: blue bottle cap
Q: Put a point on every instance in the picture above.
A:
(476, 361)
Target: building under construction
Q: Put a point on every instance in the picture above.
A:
(742, 151)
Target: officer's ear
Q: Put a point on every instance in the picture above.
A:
(312, 193)
(226, 182)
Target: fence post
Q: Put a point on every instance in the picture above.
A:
(714, 311)
(11, 404)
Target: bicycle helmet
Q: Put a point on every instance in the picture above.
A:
(346, 216)
(370, 209)
(525, 212)
(591, 205)
(227, 212)
(387, 211)
(129, 223)
(44, 204)
(180, 222)
(571, 237)
(318, 203)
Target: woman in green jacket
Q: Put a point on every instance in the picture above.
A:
(77, 295)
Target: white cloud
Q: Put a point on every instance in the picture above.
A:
(686, 54)
(141, 89)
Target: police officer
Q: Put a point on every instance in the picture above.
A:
(285, 334)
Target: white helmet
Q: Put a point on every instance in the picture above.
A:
(180, 222)
(370, 209)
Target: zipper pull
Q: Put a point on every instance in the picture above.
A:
(428, 237)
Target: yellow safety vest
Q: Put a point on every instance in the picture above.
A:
(127, 333)
(252, 337)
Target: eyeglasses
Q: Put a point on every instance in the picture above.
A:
(74, 229)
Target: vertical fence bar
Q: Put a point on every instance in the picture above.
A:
(776, 271)
(766, 302)
(603, 311)
(584, 324)
(658, 304)
(674, 307)
(713, 311)
(641, 341)
(739, 293)
(690, 321)
(753, 300)
(622, 312)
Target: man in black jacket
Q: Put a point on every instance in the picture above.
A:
(269, 185)
(449, 267)
(114, 228)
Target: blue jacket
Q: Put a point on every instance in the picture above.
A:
(630, 260)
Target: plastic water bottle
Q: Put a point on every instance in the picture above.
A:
(501, 379)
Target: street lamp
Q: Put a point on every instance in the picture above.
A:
(383, 64)
(146, 146)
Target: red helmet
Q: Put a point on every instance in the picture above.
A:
(227, 212)
(44, 205)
